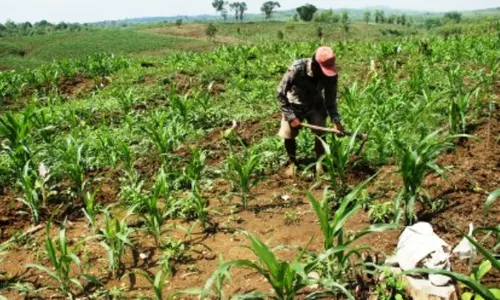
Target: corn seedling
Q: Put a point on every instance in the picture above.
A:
(336, 158)
(126, 156)
(127, 99)
(61, 258)
(42, 182)
(153, 215)
(214, 287)
(73, 164)
(286, 279)
(332, 227)
(17, 133)
(200, 206)
(27, 182)
(415, 163)
(164, 135)
(457, 113)
(182, 105)
(90, 209)
(157, 282)
(115, 239)
(242, 171)
(193, 171)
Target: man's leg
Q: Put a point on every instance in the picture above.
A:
(289, 134)
(319, 119)
(291, 150)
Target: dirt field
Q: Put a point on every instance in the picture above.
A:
(475, 171)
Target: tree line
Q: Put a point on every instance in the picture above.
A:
(309, 12)
(10, 28)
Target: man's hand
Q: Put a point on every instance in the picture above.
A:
(339, 127)
(295, 123)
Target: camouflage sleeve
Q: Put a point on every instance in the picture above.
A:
(331, 100)
(283, 89)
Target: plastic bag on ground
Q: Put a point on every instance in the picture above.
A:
(420, 247)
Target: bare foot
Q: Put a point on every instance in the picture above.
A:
(290, 171)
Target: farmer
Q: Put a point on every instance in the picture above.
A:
(308, 92)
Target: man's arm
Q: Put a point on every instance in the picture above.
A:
(331, 100)
(283, 88)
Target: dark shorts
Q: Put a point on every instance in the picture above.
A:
(314, 117)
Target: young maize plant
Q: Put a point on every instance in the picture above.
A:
(336, 244)
(27, 182)
(17, 131)
(193, 171)
(127, 157)
(157, 282)
(336, 158)
(115, 238)
(243, 173)
(73, 164)
(165, 131)
(286, 279)
(91, 209)
(153, 215)
(457, 113)
(415, 163)
(181, 105)
(200, 206)
(62, 258)
(127, 99)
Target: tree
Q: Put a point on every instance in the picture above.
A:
(306, 12)
(268, 7)
(379, 16)
(243, 8)
(453, 16)
(345, 21)
(235, 6)
(368, 15)
(239, 9)
(402, 20)
(220, 7)
(391, 19)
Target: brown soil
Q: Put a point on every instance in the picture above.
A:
(185, 83)
(291, 222)
(80, 85)
(196, 31)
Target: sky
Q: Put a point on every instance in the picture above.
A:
(99, 10)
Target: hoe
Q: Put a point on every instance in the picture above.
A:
(362, 137)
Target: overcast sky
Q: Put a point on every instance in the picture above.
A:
(98, 10)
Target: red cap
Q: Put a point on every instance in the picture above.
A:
(326, 59)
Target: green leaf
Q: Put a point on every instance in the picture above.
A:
(483, 269)
(487, 254)
(474, 285)
(491, 198)
(467, 296)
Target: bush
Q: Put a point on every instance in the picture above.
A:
(319, 32)
(281, 35)
(178, 22)
(453, 16)
(327, 16)
(211, 31)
